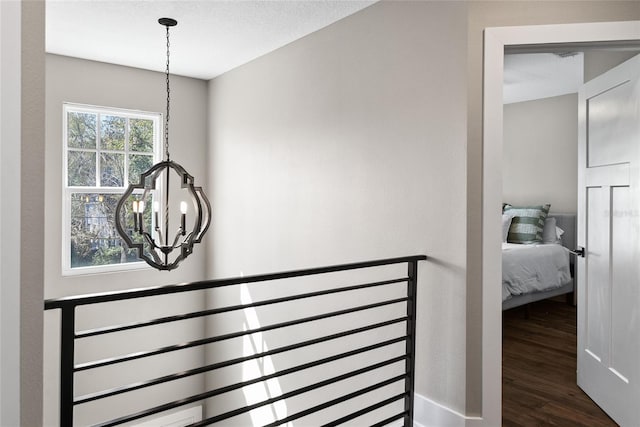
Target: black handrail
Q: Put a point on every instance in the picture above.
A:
(68, 336)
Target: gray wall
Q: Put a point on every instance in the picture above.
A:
(108, 85)
(349, 145)
(355, 128)
(21, 210)
(10, 144)
(540, 153)
(32, 212)
(598, 61)
(94, 83)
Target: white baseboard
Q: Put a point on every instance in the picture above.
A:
(176, 419)
(427, 413)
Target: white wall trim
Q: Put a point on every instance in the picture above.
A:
(428, 413)
(181, 418)
(10, 146)
(496, 39)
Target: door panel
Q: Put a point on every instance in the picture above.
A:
(613, 175)
(610, 130)
(597, 286)
(608, 227)
(624, 286)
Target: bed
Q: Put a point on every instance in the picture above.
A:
(532, 272)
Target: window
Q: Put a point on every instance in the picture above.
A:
(104, 151)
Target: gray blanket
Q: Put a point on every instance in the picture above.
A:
(533, 268)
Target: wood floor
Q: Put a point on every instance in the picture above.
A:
(539, 369)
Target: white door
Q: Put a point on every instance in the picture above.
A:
(609, 230)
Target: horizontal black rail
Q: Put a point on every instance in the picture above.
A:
(103, 297)
(69, 335)
(391, 419)
(141, 354)
(230, 362)
(299, 391)
(337, 400)
(210, 312)
(232, 387)
(366, 410)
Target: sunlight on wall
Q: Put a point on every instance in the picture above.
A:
(254, 393)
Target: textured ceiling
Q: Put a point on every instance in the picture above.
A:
(211, 37)
(541, 75)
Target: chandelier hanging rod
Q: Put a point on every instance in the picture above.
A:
(168, 23)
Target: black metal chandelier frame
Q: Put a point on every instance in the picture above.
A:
(155, 246)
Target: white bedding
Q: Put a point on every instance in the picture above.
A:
(533, 268)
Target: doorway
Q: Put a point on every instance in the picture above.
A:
(496, 40)
(540, 139)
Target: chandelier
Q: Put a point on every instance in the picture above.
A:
(163, 230)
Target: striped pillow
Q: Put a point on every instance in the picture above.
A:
(527, 223)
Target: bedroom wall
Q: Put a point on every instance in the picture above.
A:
(94, 83)
(598, 61)
(349, 145)
(540, 143)
(540, 153)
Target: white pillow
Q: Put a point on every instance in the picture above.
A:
(506, 223)
(551, 233)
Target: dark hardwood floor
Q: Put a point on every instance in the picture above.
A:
(539, 369)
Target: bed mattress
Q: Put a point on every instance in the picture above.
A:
(533, 268)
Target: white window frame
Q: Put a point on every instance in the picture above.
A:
(157, 118)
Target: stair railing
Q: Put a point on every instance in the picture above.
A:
(69, 335)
